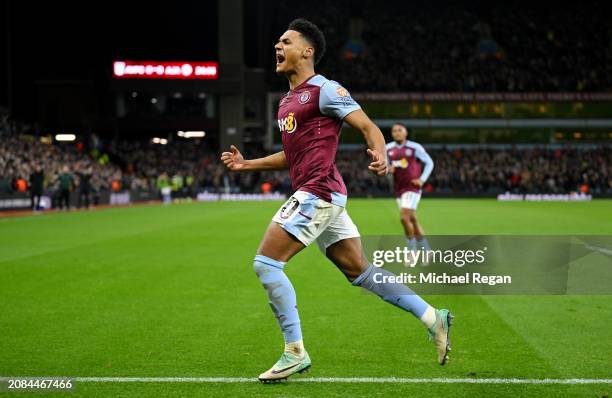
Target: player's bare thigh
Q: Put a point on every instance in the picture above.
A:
(348, 256)
(406, 216)
(278, 244)
(410, 214)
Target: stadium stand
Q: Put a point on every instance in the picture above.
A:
(510, 47)
(189, 168)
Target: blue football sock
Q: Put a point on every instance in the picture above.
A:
(411, 243)
(424, 244)
(281, 296)
(397, 294)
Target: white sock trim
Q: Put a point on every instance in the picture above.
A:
(429, 317)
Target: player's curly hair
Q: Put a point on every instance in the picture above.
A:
(312, 34)
(400, 124)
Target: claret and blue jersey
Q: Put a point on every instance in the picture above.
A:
(408, 159)
(310, 118)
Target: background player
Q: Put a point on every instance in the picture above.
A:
(406, 159)
(310, 117)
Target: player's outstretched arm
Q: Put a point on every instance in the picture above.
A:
(375, 139)
(234, 161)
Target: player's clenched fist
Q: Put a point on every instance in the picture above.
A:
(378, 165)
(233, 160)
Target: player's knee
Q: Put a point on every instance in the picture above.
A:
(358, 278)
(351, 270)
(259, 267)
(351, 275)
(263, 264)
(411, 216)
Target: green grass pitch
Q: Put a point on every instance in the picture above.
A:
(169, 291)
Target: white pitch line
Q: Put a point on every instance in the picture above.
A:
(340, 380)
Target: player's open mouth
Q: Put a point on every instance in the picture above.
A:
(279, 59)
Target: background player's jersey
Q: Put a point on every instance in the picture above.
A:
(309, 118)
(408, 160)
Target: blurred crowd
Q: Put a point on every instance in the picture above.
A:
(533, 170)
(27, 164)
(185, 168)
(478, 170)
(441, 46)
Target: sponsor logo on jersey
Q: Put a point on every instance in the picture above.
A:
(287, 124)
(342, 91)
(402, 163)
(304, 97)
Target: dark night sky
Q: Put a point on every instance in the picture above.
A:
(79, 40)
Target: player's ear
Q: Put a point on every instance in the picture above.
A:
(308, 52)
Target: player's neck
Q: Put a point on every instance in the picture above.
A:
(300, 76)
(401, 142)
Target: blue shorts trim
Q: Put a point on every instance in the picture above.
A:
(338, 199)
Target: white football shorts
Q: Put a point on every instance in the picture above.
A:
(409, 200)
(309, 218)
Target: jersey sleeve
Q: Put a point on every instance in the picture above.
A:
(427, 161)
(388, 148)
(335, 100)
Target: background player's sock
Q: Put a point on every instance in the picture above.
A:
(424, 244)
(394, 293)
(281, 296)
(297, 347)
(411, 243)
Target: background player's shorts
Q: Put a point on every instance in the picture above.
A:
(309, 218)
(409, 200)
